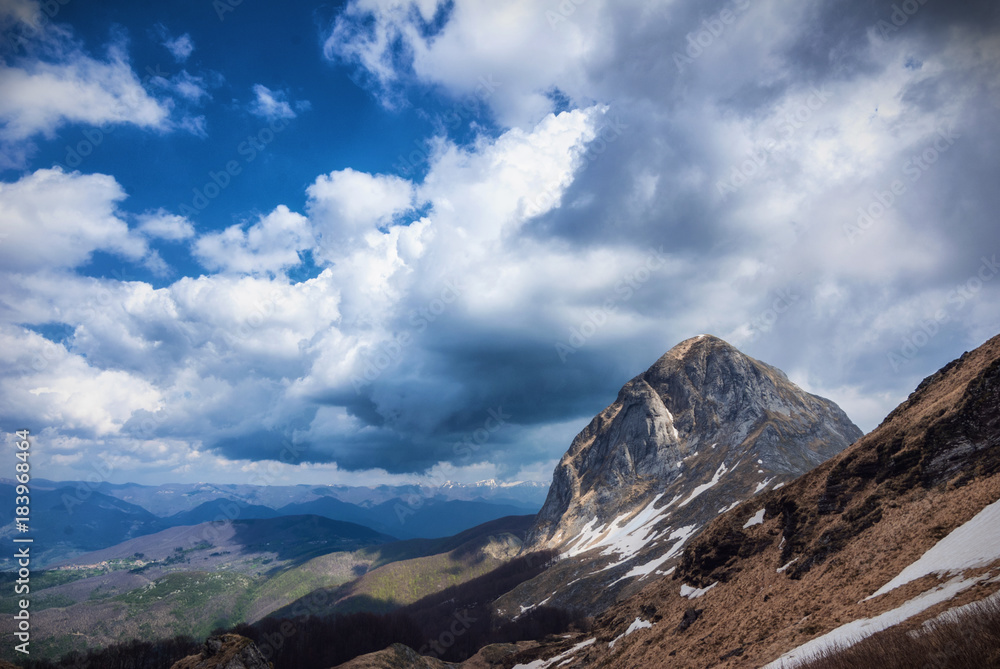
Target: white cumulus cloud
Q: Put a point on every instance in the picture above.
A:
(57, 220)
(270, 245)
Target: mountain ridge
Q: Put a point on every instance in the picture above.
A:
(877, 537)
(648, 444)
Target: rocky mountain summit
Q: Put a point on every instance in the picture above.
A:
(703, 429)
(900, 532)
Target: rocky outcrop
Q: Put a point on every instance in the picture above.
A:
(396, 656)
(228, 651)
(399, 656)
(704, 428)
(702, 396)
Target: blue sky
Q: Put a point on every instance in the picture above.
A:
(212, 65)
(387, 241)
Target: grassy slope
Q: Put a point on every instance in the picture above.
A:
(404, 572)
(376, 589)
(406, 581)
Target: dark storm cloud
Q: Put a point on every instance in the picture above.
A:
(649, 181)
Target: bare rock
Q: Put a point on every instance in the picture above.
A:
(228, 651)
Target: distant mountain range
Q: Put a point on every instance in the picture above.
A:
(77, 517)
(173, 498)
(65, 523)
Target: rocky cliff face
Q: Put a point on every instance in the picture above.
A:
(702, 429)
(899, 530)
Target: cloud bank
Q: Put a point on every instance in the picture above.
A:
(813, 183)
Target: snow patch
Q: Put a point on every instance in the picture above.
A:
(778, 486)
(763, 484)
(639, 624)
(588, 534)
(673, 430)
(624, 536)
(730, 507)
(694, 593)
(852, 632)
(974, 544)
(755, 519)
(681, 536)
(525, 609)
(705, 486)
(782, 569)
(955, 613)
(544, 664)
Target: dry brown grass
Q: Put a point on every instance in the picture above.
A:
(970, 639)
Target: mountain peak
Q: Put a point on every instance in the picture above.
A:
(705, 426)
(705, 349)
(698, 342)
(702, 393)
(897, 531)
